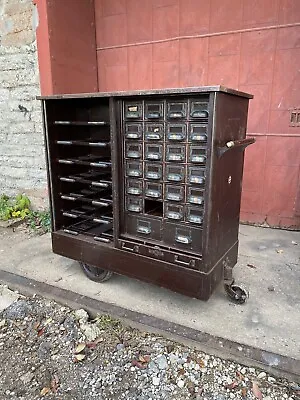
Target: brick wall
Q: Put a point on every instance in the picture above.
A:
(22, 161)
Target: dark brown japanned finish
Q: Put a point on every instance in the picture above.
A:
(148, 184)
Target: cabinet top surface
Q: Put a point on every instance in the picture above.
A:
(171, 91)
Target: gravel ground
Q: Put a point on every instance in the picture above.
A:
(50, 351)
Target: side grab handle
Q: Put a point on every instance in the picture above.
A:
(235, 144)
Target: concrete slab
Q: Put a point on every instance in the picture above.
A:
(7, 297)
(269, 265)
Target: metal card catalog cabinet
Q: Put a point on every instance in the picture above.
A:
(148, 184)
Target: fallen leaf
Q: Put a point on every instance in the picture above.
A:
(79, 348)
(181, 372)
(280, 251)
(54, 383)
(41, 331)
(45, 391)
(232, 385)
(239, 375)
(91, 345)
(48, 321)
(251, 266)
(79, 357)
(200, 362)
(144, 359)
(244, 393)
(256, 391)
(138, 364)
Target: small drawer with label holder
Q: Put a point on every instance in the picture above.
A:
(154, 110)
(134, 150)
(176, 132)
(134, 204)
(177, 109)
(153, 152)
(154, 132)
(175, 153)
(197, 155)
(134, 131)
(153, 190)
(175, 173)
(173, 212)
(196, 175)
(183, 236)
(153, 171)
(134, 186)
(194, 215)
(174, 193)
(133, 110)
(199, 109)
(195, 196)
(144, 227)
(134, 169)
(198, 133)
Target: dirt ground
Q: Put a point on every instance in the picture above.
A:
(50, 351)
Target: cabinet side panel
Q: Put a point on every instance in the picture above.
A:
(230, 122)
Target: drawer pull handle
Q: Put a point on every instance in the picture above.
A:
(175, 157)
(62, 178)
(176, 114)
(153, 136)
(133, 154)
(198, 159)
(195, 219)
(134, 208)
(190, 263)
(175, 177)
(174, 215)
(176, 136)
(174, 196)
(153, 156)
(68, 198)
(134, 172)
(197, 179)
(133, 135)
(198, 138)
(154, 115)
(200, 114)
(196, 199)
(135, 248)
(134, 191)
(153, 175)
(101, 239)
(183, 239)
(144, 230)
(153, 193)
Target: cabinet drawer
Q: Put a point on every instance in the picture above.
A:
(134, 169)
(196, 175)
(173, 212)
(134, 204)
(195, 196)
(134, 186)
(154, 132)
(176, 132)
(174, 193)
(198, 133)
(194, 215)
(153, 190)
(175, 173)
(154, 152)
(197, 154)
(199, 109)
(176, 109)
(133, 110)
(134, 150)
(154, 110)
(134, 131)
(153, 171)
(175, 153)
(183, 237)
(144, 227)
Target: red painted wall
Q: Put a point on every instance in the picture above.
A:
(237, 47)
(251, 45)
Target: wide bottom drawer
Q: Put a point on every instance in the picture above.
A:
(162, 254)
(183, 237)
(143, 227)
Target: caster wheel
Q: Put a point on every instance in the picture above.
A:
(96, 274)
(236, 293)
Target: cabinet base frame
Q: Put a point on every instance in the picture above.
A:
(182, 280)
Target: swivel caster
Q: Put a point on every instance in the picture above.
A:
(95, 274)
(236, 293)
